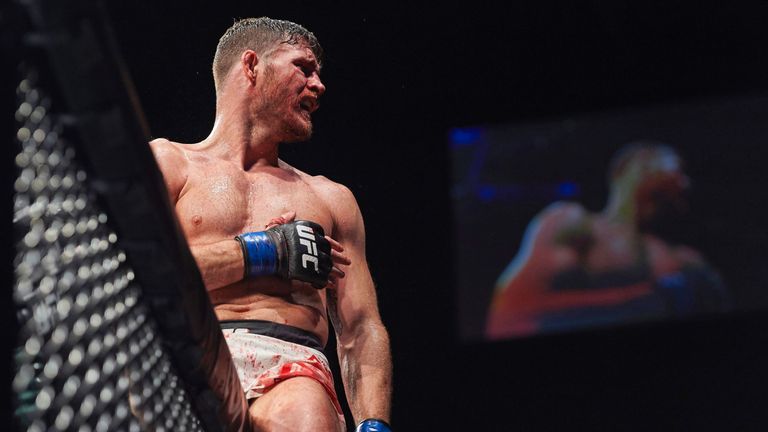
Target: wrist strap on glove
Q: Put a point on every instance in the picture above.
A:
(260, 252)
(373, 425)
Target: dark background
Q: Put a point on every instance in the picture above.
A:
(399, 76)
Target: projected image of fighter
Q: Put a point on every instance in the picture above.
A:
(577, 268)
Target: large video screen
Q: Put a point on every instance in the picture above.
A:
(610, 218)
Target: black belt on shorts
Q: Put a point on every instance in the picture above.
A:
(276, 330)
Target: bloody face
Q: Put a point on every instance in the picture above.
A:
(290, 88)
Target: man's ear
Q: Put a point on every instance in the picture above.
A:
(248, 61)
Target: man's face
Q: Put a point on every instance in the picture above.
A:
(290, 88)
(662, 190)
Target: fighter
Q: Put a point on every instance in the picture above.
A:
(276, 281)
(577, 268)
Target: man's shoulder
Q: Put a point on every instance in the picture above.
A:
(170, 158)
(165, 144)
(557, 219)
(161, 142)
(563, 213)
(164, 147)
(167, 151)
(320, 183)
(333, 191)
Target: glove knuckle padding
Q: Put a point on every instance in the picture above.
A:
(306, 251)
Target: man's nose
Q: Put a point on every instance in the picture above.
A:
(315, 84)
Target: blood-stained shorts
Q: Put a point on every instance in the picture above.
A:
(266, 353)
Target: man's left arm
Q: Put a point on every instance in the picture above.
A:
(362, 339)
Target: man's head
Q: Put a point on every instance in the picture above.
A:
(261, 35)
(273, 66)
(652, 174)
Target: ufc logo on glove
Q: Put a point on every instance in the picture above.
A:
(287, 250)
(308, 240)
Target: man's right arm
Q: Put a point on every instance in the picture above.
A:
(555, 242)
(221, 262)
(224, 262)
(525, 282)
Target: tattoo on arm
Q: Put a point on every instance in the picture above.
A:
(333, 311)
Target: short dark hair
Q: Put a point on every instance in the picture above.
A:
(258, 34)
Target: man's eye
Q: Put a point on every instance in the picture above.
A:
(306, 70)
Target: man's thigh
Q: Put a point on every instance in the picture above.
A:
(296, 404)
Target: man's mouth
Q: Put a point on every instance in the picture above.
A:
(308, 104)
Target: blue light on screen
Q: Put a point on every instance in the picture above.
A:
(567, 189)
(465, 136)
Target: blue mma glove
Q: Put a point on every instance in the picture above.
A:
(296, 250)
(373, 425)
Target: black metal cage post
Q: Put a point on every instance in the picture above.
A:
(115, 328)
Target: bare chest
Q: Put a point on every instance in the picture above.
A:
(615, 249)
(220, 202)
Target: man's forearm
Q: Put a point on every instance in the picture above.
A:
(220, 263)
(366, 368)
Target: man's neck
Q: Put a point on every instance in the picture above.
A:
(621, 207)
(242, 140)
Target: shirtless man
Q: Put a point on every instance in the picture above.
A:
(228, 188)
(580, 269)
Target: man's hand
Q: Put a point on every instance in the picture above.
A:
(294, 250)
(304, 252)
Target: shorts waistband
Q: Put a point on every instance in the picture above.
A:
(276, 330)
